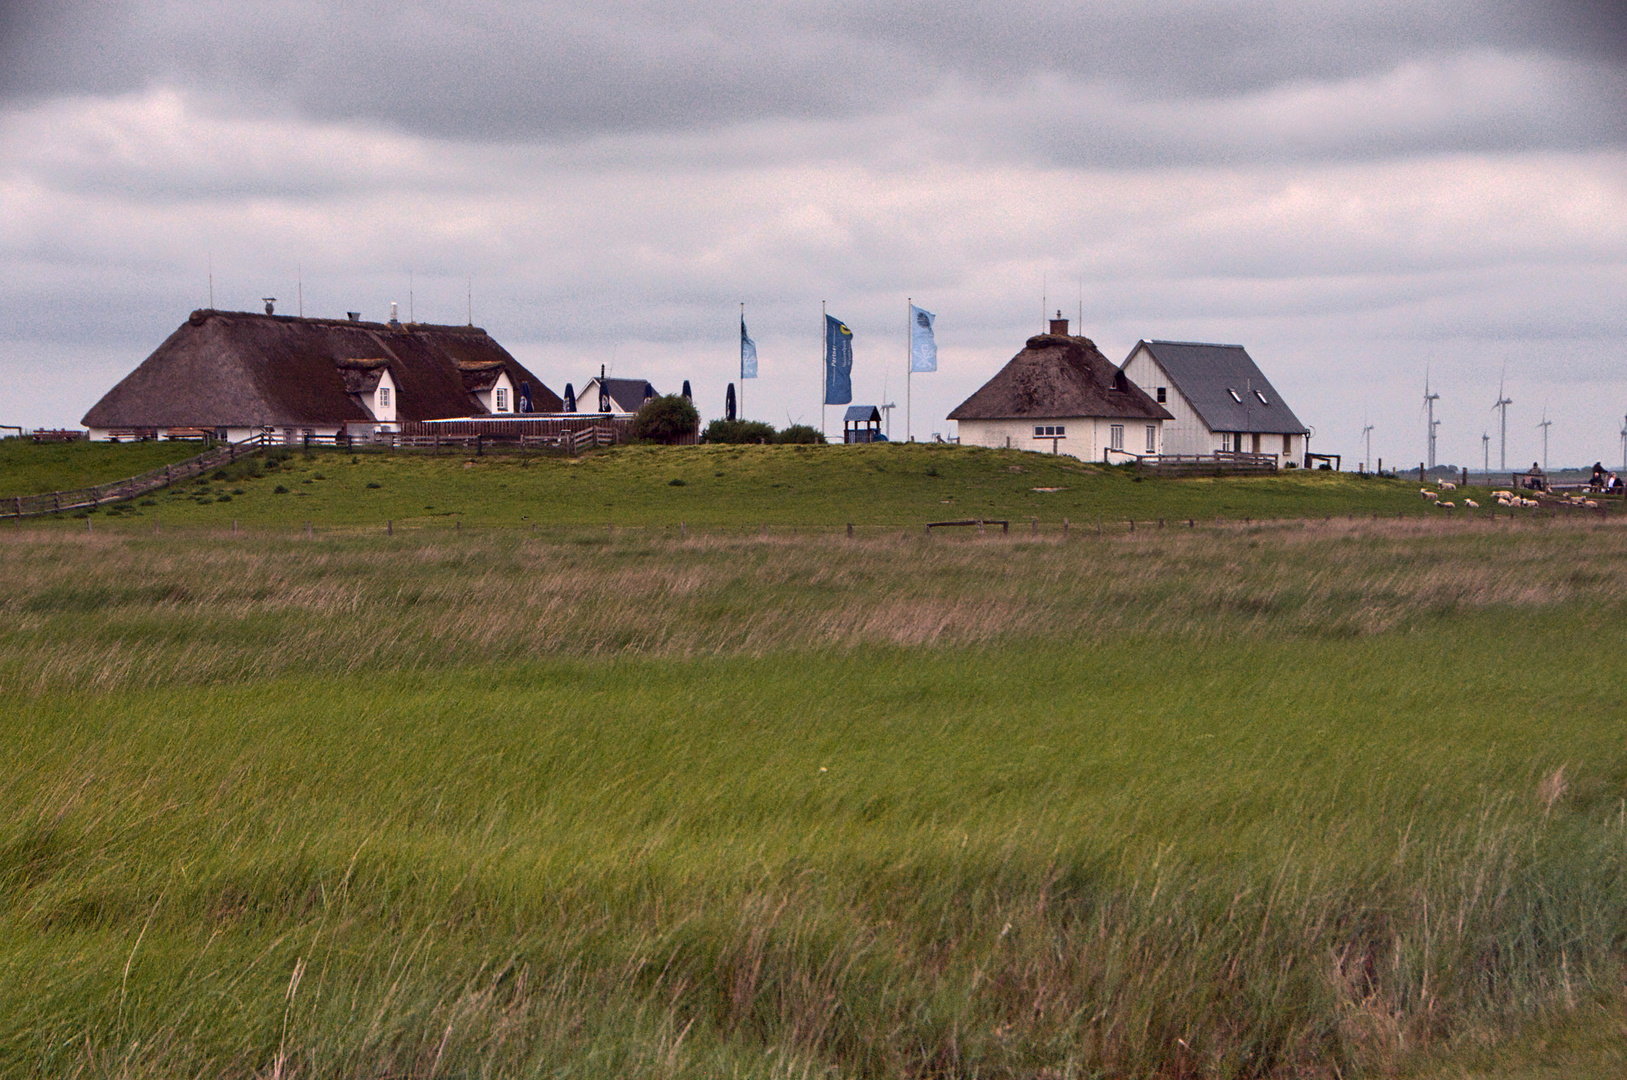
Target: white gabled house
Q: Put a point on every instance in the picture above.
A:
(1218, 400)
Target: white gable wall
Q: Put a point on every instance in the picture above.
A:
(383, 399)
(1186, 433)
(488, 397)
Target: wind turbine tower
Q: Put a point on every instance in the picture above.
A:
(1502, 447)
(1429, 407)
(1545, 425)
(1485, 451)
(1367, 434)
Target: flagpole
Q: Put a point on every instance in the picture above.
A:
(740, 399)
(909, 361)
(824, 346)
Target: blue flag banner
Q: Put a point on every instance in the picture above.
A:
(748, 353)
(923, 346)
(838, 362)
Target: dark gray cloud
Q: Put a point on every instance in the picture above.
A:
(547, 71)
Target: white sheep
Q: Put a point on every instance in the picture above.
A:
(1471, 503)
(1426, 493)
(1591, 504)
(1503, 494)
(1447, 485)
(1446, 505)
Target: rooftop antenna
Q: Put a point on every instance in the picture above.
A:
(1545, 425)
(410, 316)
(211, 281)
(1429, 406)
(471, 299)
(1081, 323)
(1503, 402)
(1044, 304)
(1367, 437)
(299, 272)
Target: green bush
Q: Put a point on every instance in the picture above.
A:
(666, 419)
(739, 431)
(800, 433)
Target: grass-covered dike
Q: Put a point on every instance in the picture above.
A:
(731, 487)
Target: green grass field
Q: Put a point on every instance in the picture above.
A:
(719, 487)
(1322, 798)
(27, 468)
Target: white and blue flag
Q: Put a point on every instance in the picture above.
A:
(748, 353)
(923, 346)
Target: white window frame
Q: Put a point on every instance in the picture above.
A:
(1226, 442)
(1115, 436)
(384, 397)
(1050, 431)
(502, 399)
(1152, 438)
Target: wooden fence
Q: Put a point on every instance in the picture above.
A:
(52, 502)
(1222, 461)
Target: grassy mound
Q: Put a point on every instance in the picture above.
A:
(743, 487)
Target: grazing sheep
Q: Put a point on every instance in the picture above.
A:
(1447, 485)
(1471, 503)
(1590, 504)
(1503, 494)
(1426, 493)
(1446, 505)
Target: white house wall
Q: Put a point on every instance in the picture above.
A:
(1186, 433)
(1087, 437)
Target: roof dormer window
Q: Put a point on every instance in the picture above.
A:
(1235, 396)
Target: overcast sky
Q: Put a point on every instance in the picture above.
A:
(1354, 191)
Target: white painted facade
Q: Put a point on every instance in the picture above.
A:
(382, 401)
(499, 397)
(1089, 438)
(1186, 433)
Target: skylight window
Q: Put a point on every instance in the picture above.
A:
(1261, 396)
(1234, 394)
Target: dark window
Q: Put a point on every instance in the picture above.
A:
(1162, 392)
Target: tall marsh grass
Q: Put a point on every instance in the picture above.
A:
(1300, 801)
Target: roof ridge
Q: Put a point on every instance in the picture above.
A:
(200, 314)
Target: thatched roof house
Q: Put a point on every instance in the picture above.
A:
(1061, 395)
(233, 373)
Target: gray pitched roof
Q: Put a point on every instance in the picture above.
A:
(1059, 376)
(1209, 375)
(861, 414)
(240, 368)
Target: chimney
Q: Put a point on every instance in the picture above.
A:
(270, 301)
(355, 316)
(395, 323)
(1059, 325)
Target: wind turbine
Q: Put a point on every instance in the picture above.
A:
(1502, 447)
(1429, 407)
(1367, 435)
(1545, 425)
(1485, 452)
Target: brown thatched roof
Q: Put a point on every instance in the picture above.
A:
(242, 369)
(1061, 377)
